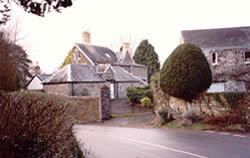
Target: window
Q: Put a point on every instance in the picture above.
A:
(214, 58)
(247, 57)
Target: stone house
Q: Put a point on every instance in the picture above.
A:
(228, 53)
(92, 67)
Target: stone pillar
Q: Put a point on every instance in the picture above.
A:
(248, 116)
(104, 103)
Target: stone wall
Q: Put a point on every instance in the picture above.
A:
(62, 89)
(75, 89)
(79, 58)
(92, 89)
(230, 65)
(213, 104)
(84, 109)
(248, 116)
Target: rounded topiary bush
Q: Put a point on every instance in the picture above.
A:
(186, 72)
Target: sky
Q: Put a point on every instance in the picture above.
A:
(111, 22)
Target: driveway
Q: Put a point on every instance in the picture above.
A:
(125, 115)
(121, 142)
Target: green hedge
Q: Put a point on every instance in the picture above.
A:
(36, 125)
(135, 94)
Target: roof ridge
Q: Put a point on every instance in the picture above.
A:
(219, 28)
(93, 45)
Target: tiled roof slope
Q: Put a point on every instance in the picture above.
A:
(221, 37)
(75, 73)
(121, 75)
(99, 55)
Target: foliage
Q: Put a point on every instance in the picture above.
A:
(146, 55)
(146, 102)
(14, 65)
(163, 113)
(85, 92)
(185, 73)
(36, 125)
(233, 98)
(39, 8)
(68, 59)
(135, 94)
(235, 117)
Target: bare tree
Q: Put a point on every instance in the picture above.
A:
(39, 8)
(14, 63)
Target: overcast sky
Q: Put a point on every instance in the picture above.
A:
(48, 40)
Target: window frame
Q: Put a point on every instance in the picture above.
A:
(216, 58)
(245, 61)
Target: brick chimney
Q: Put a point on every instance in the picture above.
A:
(86, 37)
(37, 69)
(125, 48)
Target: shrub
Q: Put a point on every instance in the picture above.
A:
(185, 73)
(135, 94)
(233, 98)
(236, 117)
(146, 102)
(36, 125)
(85, 92)
(163, 113)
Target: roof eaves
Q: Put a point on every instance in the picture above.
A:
(135, 77)
(84, 54)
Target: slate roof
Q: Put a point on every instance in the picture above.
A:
(75, 73)
(221, 37)
(121, 75)
(42, 77)
(98, 54)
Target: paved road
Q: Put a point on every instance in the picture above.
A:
(121, 142)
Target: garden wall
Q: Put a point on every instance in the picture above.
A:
(210, 104)
(84, 109)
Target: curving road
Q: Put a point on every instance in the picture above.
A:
(121, 142)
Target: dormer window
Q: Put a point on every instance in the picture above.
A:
(247, 57)
(214, 58)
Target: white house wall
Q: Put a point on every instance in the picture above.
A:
(216, 87)
(35, 84)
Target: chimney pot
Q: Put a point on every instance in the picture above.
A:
(125, 48)
(86, 37)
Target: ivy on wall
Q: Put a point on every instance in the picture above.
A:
(68, 59)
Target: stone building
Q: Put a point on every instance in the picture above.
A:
(228, 53)
(94, 66)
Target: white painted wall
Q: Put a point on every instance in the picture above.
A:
(35, 84)
(216, 87)
(112, 91)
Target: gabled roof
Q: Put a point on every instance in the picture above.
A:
(221, 37)
(126, 59)
(75, 73)
(97, 54)
(41, 77)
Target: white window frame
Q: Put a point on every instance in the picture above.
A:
(216, 58)
(246, 62)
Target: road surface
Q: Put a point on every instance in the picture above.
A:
(122, 142)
